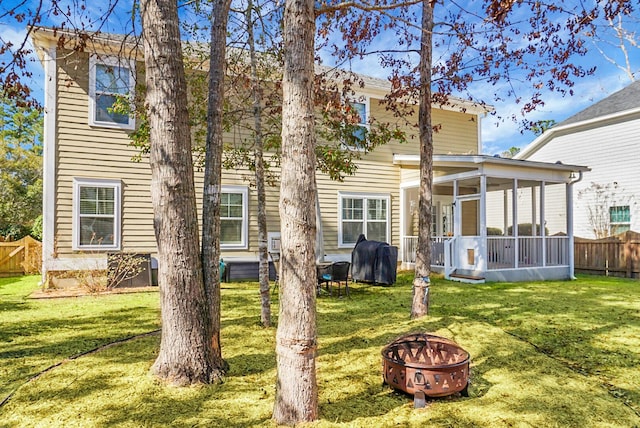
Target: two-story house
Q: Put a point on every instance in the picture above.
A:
(96, 199)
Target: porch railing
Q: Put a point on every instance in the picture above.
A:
(501, 251)
(531, 251)
(410, 246)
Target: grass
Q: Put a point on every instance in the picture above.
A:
(563, 354)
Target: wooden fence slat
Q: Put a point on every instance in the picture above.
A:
(617, 255)
(11, 255)
(20, 257)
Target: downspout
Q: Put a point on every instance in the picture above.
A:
(570, 224)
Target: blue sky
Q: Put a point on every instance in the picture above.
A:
(497, 135)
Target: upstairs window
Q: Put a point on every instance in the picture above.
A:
(360, 108)
(96, 214)
(234, 217)
(109, 78)
(619, 219)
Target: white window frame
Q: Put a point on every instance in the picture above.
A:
(112, 62)
(244, 244)
(116, 185)
(361, 99)
(616, 224)
(365, 197)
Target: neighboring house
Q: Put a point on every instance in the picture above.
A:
(96, 200)
(606, 137)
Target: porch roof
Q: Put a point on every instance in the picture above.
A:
(457, 167)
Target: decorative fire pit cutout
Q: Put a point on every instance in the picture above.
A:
(421, 363)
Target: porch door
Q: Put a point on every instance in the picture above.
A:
(468, 242)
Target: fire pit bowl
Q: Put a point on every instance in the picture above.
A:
(425, 363)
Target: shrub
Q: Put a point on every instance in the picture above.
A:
(494, 231)
(36, 229)
(524, 229)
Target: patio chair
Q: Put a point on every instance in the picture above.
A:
(340, 274)
(324, 273)
(275, 259)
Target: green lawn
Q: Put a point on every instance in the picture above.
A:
(543, 354)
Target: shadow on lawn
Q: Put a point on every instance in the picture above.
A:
(586, 326)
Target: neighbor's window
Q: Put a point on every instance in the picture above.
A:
(234, 218)
(96, 214)
(619, 219)
(109, 78)
(366, 214)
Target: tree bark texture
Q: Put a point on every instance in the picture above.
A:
(263, 256)
(211, 193)
(420, 304)
(296, 338)
(185, 355)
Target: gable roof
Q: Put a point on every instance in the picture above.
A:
(625, 99)
(619, 106)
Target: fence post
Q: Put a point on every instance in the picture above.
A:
(627, 255)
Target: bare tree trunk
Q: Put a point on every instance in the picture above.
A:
(185, 355)
(213, 177)
(263, 270)
(296, 338)
(420, 304)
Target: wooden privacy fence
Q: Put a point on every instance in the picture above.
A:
(614, 256)
(20, 257)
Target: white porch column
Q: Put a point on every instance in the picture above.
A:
(403, 227)
(570, 228)
(514, 207)
(543, 233)
(457, 219)
(482, 265)
(505, 211)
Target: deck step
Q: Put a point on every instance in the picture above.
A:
(469, 279)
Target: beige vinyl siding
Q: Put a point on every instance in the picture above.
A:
(458, 133)
(96, 152)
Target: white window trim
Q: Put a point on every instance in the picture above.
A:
(244, 244)
(115, 62)
(615, 224)
(96, 182)
(362, 195)
(361, 99)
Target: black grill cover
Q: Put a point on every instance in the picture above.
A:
(374, 261)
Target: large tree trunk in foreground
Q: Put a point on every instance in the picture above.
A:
(420, 304)
(296, 339)
(213, 177)
(185, 355)
(263, 270)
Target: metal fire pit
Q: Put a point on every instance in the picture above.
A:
(421, 363)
